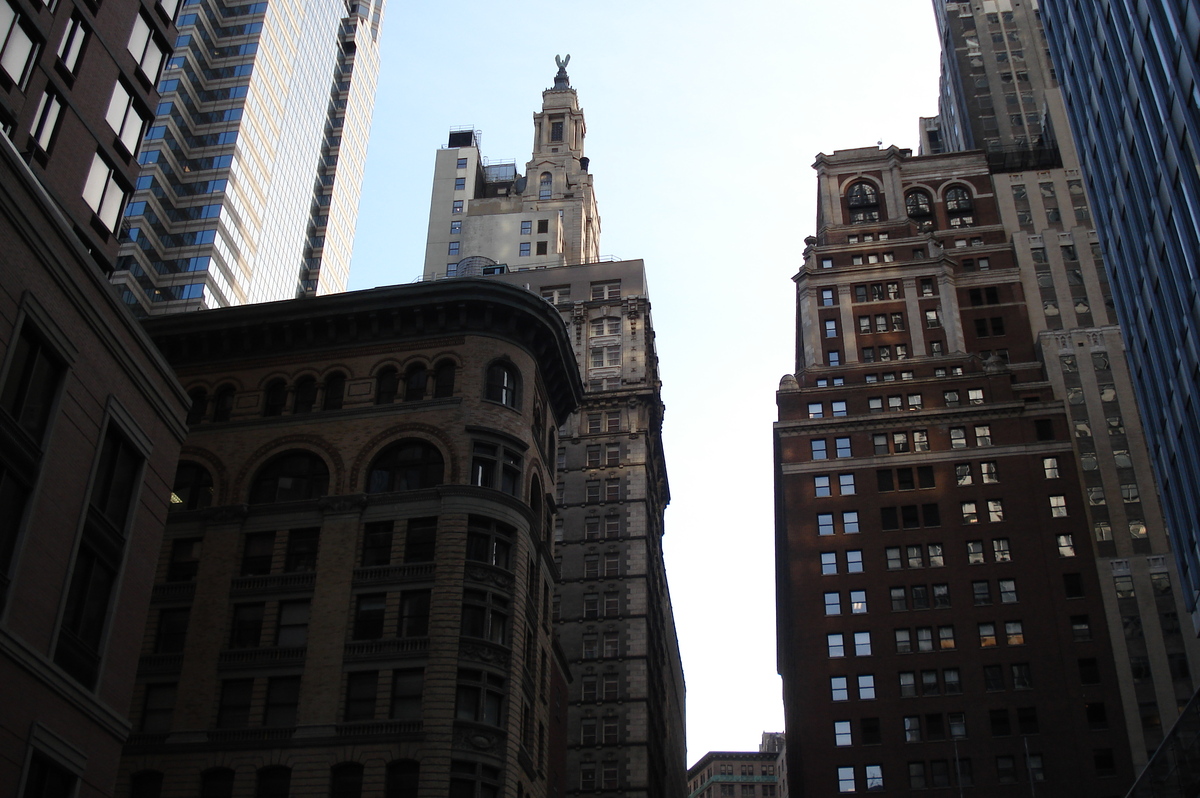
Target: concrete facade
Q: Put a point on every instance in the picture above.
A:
(354, 594)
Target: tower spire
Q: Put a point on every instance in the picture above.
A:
(561, 81)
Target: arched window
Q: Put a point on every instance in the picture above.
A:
(193, 488)
(960, 210)
(146, 784)
(223, 403)
(216, 783)
(863, 201)
(414, 382)
(199, 405)
(387, 383)
(291, 476)
(273, 782)
(545, 186)
(919, 206)
(443, 379)
(403, 777)
(335, 391)
(504, 384)
(410, 464)
(345, 780)
(306, 395)
(535, 503)
(275, 398)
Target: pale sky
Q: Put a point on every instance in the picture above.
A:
(703, 124)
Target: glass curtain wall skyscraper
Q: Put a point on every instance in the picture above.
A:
(1129, 78)
(252, 167)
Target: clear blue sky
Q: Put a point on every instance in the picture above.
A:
(703, 122)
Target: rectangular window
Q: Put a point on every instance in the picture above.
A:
(102, 193)
(460, 183)
(457, 206)
(843, 447)
(825, 523)
(292, 629)
(233, 708)
(523, 249)
(407, 686)
(45, 120)
(17, 49)
(833, 604)
(958, 438)
(1001, 551)
(819, 449)
(983, 435)
(361, 688)
(837, 688)
(862, 644)
(835, 645)
(123, 118)
(846, 484)
(145, 50)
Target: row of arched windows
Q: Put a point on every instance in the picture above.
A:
(275, 781)
(418, 382)
(862, 199)
(298, 475)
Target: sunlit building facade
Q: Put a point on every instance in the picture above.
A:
(252, 166)
(613, 606)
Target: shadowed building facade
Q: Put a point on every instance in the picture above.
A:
(91, 417)
(615, 621)
(941, 621)
(354, 593)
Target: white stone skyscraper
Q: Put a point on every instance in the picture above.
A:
(252, 168)
(613, 614)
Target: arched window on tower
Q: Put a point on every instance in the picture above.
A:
(335, 391)
(504, 384)
(306, 395)
(275, 399)
(414, 382)
(387, 383)
(192, 489)
(919, 206)
(409, 464)
(223, 403)
(199, 405)
(863, 201)
(960, 209)
(545, 186)
(291, 476)
(443, 379)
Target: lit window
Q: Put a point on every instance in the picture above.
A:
(457, 207)
(144, 49)
(45, 120)
(17, 49)
(975, 552)
(970, 514)
(854, 561)
(455, 227)
(102, 193)
(858, 602)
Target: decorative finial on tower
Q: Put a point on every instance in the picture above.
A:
(561, 81)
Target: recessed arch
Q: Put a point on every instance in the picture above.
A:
(293, 475)
(407, 464)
